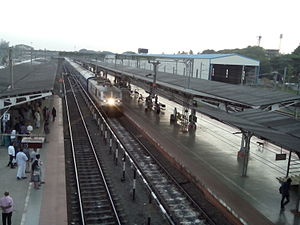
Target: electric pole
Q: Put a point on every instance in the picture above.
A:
(280, 38)
(11, 68)
(155, 64)
(259, 39)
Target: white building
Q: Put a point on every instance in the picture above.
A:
(228, 68)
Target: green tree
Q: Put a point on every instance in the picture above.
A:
(295, 56)
(209, 51)
(4, 45)
(254, 52)
(129, 52)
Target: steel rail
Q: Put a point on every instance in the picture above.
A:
(174, 180)
(74, 156)
(120, 144)
(99, 166)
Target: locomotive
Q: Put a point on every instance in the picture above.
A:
(106, 96)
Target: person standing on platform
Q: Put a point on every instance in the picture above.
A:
(23, 129)
(27, 153)
(40, 163)
(46, 127)
(21, 159)
(44, 112)
(13, 136)
(47, 114)
(35, 173)
(285, 192)
(33, 155)
(7, 206)
(11, 155)
(37, 119)
(53, 113)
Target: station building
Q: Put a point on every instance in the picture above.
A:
(227, 68)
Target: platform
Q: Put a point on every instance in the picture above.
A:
(47, 205)
(210, 155)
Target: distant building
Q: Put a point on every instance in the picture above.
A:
(228, 68)
(23, 47)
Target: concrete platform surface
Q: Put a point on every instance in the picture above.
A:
(48, 204)
(210, 155)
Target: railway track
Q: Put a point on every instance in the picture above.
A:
(173, 202)
(179, 204)
(92, 201)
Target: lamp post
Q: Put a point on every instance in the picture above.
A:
(188, 65)
(155, 63)
(11, 68)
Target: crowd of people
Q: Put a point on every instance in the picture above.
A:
(20, 156)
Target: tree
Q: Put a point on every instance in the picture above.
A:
(209, 51)
(295, 56)
(129, 52)
(254, 52)
(297, 51)
(4, 45)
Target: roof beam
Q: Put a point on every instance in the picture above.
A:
(18, 100)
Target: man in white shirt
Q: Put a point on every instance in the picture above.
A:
(21, 159)
(11, 154)
(13, 136)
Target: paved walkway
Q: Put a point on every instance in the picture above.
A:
(211, 157)
(47, 205)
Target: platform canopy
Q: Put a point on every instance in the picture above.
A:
(275, 127)
(31, 81)
(236, 96)
(257, 105)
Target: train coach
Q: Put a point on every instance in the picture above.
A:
(106, 96)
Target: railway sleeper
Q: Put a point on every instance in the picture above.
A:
(90, 182)
(90, 178)
(89, 173)
(95, 207)
(105, 219)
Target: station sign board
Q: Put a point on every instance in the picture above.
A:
(6, 116)
(280, 157)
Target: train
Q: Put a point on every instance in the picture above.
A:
(108, 97)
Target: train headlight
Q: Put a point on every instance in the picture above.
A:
(111, 101)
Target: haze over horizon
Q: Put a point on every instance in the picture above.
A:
(161, 26)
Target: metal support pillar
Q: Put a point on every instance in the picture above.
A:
(289, 163)
(155, 64)
(123, 169)
(134, 184)
(110, 144)
(298, 200)
(243, 75)
(116, 154)
(247, 138)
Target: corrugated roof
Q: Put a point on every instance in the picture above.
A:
(38, 77)
(198, 56)
(188, 56)
(243, 95)
(275, 127)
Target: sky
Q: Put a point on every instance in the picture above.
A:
(162, 26)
